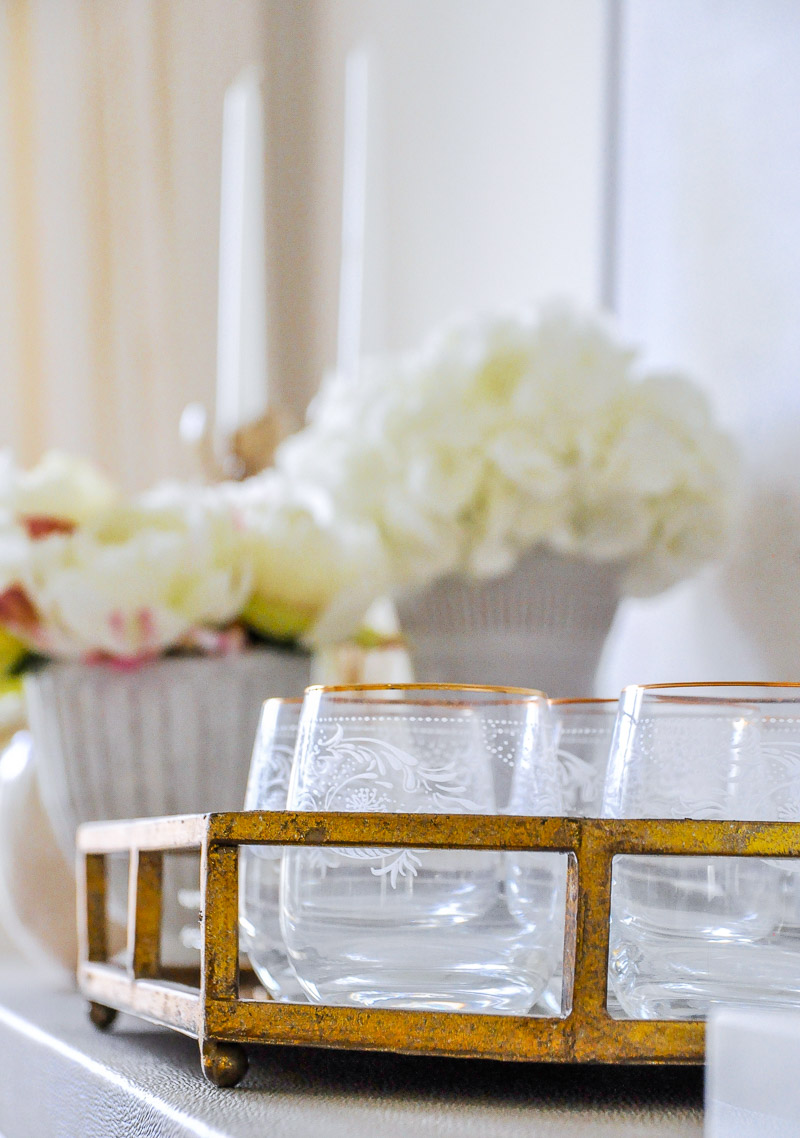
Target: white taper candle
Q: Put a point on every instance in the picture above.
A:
(242, 384)
(354, 199)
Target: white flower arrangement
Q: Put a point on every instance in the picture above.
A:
(497, 436)
(313, 574)
(508, 432)
(87, 574)
(58, 494)
(130, 584)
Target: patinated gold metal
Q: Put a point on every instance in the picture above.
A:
(215, 1012)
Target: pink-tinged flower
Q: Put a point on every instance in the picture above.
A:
(41, 527)
(17, 612)
(57, 494)
(138, 579)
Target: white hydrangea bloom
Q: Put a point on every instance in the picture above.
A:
(507, 432)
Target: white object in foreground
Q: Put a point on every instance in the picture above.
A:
(752, 1085)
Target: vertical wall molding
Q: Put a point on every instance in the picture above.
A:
(610, 205)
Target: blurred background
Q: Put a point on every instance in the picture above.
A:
(638, 154)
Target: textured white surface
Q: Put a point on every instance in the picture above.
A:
(752, 1086)
(60, 1078)
(541, 626)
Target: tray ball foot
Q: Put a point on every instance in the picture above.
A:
(224, 1064)
(101, 1016)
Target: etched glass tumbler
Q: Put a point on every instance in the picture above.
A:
(411, 928)
(260, 866)
(687, 932)
(779, 733)
(582, 730)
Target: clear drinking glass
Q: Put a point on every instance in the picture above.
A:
(687, 932)
(780, 748)
(260, 866)
(416, 928)
(582, 732)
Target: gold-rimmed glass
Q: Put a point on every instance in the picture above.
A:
(690, 932)
(415, 928)
(582, 730)
(260, 866)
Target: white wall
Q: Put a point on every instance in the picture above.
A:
(486, 156)
(709, 278)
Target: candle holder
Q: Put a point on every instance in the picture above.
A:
(212, 1008)
(251, 448)
(247, 451)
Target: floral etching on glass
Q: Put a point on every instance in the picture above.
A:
(365, 774)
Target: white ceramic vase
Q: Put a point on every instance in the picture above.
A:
(171, 737)
(543, 625)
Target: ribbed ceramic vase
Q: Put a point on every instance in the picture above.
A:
(171, 737)
(543, 625)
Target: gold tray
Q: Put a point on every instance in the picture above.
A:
(214, 1011)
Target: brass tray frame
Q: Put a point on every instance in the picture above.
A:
(213, 1011)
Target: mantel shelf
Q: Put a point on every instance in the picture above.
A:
(60, 1076)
